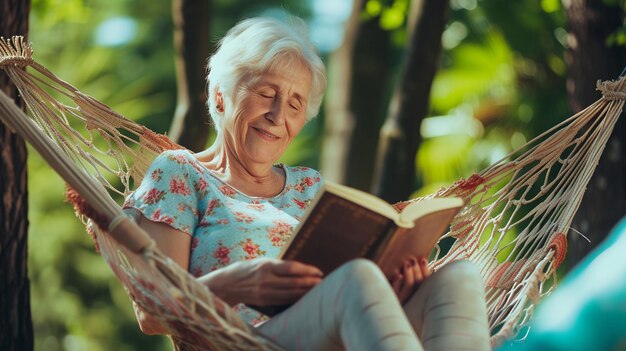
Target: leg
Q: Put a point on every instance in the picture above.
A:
(448, 311)
(353, 308)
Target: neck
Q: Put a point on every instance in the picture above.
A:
(255, 179)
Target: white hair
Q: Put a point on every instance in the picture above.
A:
(258, 45)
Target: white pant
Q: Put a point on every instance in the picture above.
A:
(355, 308)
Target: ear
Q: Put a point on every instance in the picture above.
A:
(219, 101)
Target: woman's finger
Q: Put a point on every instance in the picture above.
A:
(419, 273)
(410, 276)
(411, 281)
(396, 283)
(294, 268)
(423, 266)
(291, 282)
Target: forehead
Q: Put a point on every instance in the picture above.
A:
(293, 76)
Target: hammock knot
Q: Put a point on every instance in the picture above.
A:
(82, 208)
(471, 183)
(460, 229)
(15, 52)
(612, 90)
(558, 244)
(507, 274)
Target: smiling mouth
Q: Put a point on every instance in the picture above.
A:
(265, 134)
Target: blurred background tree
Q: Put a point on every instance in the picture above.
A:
(501, 80)
(191, 43)
(596, 51)
(400, 134)
(15, 314)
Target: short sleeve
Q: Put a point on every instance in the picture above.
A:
(166, 194)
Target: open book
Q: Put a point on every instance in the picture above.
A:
(343, 223)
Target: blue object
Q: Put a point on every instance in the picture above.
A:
(588, 309)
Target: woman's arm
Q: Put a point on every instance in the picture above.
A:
(173, 243)
(261, 281)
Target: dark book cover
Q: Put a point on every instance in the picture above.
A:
(337, 231)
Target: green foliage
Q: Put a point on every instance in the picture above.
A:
(394, 16)
(503, 87)
(496, 89)
(476, 72)
(72, 287)
(75, 299)
(391, 16)
(617, 38)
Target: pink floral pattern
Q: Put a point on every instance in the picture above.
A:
(201, 187)
(178, 186)
(243, 217)
(221, 254)
(251, 249)
(158, 217)
(279, 233)
(153, 196)
(301, 204)
(226, 225)
(227, 190)
(156, 175)
(305, 183)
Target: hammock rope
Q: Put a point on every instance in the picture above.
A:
(514, 226)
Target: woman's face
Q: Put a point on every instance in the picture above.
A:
(270, 113)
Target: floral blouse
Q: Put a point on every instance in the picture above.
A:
(225, 224)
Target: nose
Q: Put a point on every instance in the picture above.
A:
(276, 115)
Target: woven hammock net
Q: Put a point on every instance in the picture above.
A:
(514, 226)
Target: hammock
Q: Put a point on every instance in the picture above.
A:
(514, 226)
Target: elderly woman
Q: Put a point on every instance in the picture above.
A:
(225, 213)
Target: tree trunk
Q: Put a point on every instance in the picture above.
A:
(190, 126)
(400, 135)
(355, 101)
(339, 121)
(591, 59)
(16, 329)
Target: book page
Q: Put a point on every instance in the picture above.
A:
(364, 199)
(421, 208)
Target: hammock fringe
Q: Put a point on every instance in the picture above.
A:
(612, 90)
(15, 51)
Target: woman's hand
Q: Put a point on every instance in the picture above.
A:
(263, 281)
(408, 279)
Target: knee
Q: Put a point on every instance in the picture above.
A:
(361, 270)
(460, 271)
(361, 283)
(462, 267)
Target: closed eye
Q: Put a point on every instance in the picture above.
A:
(266, 93)
(295, 104)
